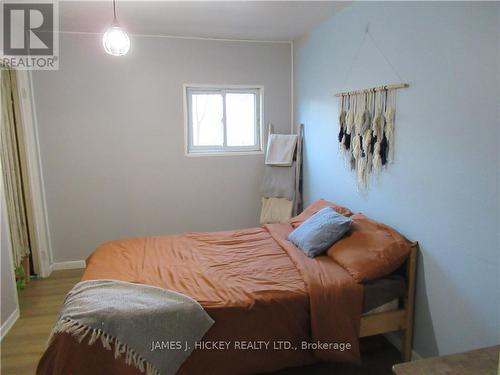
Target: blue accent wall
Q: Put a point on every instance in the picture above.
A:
(443, 188)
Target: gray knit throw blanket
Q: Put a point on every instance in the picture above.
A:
(138, 321)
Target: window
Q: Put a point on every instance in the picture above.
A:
(223, 120)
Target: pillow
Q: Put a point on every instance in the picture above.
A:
(371, 250)
(315, 207)
(320, 231)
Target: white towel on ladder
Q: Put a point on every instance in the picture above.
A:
(280, 149)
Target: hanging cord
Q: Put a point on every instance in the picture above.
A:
(115, 19)
(384, 56)
(356, 55)
(348, 75)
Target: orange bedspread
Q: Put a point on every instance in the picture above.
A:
(258, 288)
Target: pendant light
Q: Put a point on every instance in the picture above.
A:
(115, 40)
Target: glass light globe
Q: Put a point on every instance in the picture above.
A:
(116, 41)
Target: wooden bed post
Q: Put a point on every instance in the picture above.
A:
(409, 304)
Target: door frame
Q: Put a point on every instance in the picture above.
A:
(42, 252)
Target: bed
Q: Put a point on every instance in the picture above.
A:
(258, 288)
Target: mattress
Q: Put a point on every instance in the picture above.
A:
(383, 292)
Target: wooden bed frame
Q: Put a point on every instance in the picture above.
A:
(400, 319)
(383, 322)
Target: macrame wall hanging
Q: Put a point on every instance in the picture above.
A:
(366, 130)
(367, 122)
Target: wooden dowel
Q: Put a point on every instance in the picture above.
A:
(393, 86)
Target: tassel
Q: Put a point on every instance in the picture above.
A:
(80, 331)
(367, 142)
(389, 132)
(347, 141)
(356, 147)
(128, 356)
(377, 160)
(141, 365)
(352, 163)
(95, 336)
(359, 120)
(378, 129)
(341, 134)
(342, 119)
(361, 174)
(364, 132)
(105, 339)
(377, 124)
(383, 150)
(372, 144)
(84, 333)
(349, 121)
(366, 123)
(119, 349)
(344, 143)
(342, 115)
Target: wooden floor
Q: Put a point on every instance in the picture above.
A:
(41, 300)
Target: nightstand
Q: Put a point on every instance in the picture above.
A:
(476, 362)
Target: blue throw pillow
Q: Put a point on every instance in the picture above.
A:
(315, 235)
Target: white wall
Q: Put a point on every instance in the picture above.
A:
(443, 189)
(111, 135)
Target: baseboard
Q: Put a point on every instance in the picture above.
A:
(7, 325)
(68, 265)
(395, 340)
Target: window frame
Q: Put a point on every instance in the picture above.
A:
(224, 150)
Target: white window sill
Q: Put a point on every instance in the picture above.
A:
(223, 153)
